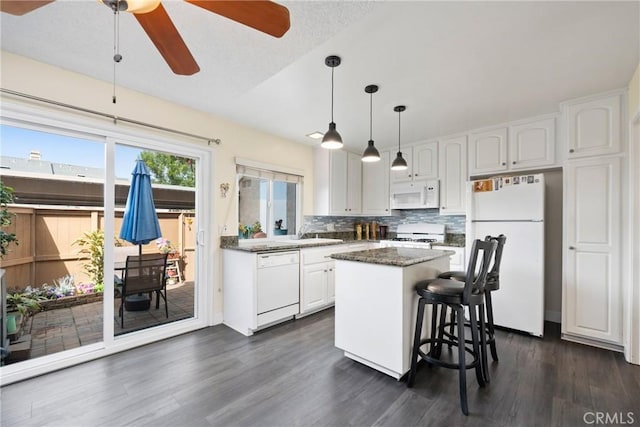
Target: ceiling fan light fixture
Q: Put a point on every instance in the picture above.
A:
(141, 6)
(332, 139)
(132, 6)
(370, 154)
(399, 163)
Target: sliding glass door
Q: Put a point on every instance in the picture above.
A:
(172, 185)
(70, 184)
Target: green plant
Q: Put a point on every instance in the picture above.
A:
(6, 197)
(93, 245)
(23, 303)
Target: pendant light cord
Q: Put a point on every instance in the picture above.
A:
(371, 117)
(332, 69)
(399, 131)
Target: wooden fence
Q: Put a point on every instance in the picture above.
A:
(46, 249)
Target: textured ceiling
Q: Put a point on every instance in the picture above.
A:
(455, 65)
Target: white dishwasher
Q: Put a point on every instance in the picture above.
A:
(278, 286)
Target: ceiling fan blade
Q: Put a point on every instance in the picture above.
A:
(262, 15)
(160, 29)
(20, 7)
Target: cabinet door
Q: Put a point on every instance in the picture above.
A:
(592, 304)
(331, 285)
(452, 154)
(594, 127)
(407, 174)
(354, 183)
(488, 152)
(338, 187)
(375, 186)
(314, 286)
(532, 144)
(425, 161)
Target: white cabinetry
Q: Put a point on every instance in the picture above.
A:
(422, 159)
(337, 182)
(532, 144)
(375, 185)
(453, 175)
(317, 290)
(593, 126)
(523, 145)
(259, 289)
(488, 151)
(592, 306)
(457, 260)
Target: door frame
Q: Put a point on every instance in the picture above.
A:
(45, 118)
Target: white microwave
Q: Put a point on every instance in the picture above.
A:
(416, 195)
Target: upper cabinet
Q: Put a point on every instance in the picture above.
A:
(532, 144)
(488, 151)
(593, 126)
(453, 175)
(422, 159)
(519, 146)
(375, 185)
(337, 183)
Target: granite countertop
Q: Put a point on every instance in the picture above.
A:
(284, 245)
(400, 257)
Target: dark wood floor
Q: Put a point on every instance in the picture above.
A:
(292, 375)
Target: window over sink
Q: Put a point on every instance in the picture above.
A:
(269, 201)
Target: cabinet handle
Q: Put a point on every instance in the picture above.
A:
(331, 269)
(504, 163)
(514, 162)
(573, 248)
(325, 271)
(571, 150)
(415, 174)
(409, 175)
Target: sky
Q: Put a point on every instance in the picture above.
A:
(18, 142)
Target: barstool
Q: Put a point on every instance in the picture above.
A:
(449, 293)
(493, 284)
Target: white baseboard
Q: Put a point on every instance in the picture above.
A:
(217, 318)
(553, 316)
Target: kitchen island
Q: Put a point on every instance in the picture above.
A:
(376, 303)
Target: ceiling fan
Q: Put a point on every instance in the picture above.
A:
(262, 15)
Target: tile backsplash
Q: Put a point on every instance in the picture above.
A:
(455, 223)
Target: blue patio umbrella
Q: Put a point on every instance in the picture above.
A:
(140, 223)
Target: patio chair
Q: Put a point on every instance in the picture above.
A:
(144, 273)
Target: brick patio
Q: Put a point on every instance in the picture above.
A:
(66, 328)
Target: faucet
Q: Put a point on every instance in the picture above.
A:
(301, 231)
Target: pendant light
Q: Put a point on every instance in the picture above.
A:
(371, 154)
(399, 163)
(332, 139)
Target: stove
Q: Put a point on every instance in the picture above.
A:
(420, 235)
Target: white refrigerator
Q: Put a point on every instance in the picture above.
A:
(513, 206)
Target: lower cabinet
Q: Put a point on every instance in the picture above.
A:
(317, 288)
(456, 261)
(592, 293)
(316, 292)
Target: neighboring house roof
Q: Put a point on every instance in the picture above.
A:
(40, 182)
(36, 166)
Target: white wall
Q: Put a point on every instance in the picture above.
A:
(21, 74)
(553, 246)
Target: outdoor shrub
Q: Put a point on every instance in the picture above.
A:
(6, 197)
